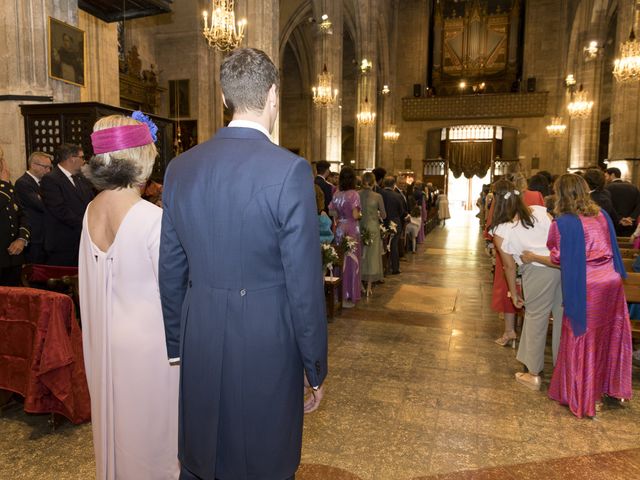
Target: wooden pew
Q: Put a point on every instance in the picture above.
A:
(632, 293)
(629, 252)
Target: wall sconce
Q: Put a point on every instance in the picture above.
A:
(570, 83)
(385, 90)
(365, 66)
(591, 52)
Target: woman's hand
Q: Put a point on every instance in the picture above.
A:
(517, 301)
(528, 257)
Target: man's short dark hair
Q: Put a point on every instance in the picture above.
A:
(389, 182)
(322, 166)
(65, 151)
(594, 178)
(614, 171)
(379, 173)
(547, 175)
(246, 76)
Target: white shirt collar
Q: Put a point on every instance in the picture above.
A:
(34, 177)
(249, 124)
(67, 173)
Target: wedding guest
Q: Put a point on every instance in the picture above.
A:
(14, 230)
(442, 204)
(242, 292)
(530, 197)
(518, 228)
(601, 196)
(379, 173)
(28, 197)
(345, 206)
(414, 226)
(65, 195)
(122, 331)
(372, 212)
(324, 221)
(421, 200)
(396, 213)
(626, 201)
(322, 172)
(539, 183)
(595, 346)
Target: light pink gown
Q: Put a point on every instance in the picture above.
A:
(134, 390)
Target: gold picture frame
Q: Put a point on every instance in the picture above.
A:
(67, 52)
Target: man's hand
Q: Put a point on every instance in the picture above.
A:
(626, 222)
(16, 247)
(312, 402)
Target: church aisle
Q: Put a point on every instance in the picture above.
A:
(417, 393)
(412, 393)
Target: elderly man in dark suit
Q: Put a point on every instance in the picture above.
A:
(29, 199)
(322, 170)
(397, 213)
(626, 201)
(242, 292)
(65, 195)
(14, 232)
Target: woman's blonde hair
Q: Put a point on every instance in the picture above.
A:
(368, 180)
(572, 196)
(520, 181)
(121, 168)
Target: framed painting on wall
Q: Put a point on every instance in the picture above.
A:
(66, 52)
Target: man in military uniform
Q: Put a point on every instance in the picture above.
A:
(14, 233)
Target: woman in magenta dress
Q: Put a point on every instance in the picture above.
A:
(595, 346)
(345, 205)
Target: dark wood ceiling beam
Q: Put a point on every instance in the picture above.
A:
(110, 11)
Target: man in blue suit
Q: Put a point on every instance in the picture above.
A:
(242, 291)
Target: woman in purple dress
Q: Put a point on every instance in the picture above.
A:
(595, 345)
(345, 205)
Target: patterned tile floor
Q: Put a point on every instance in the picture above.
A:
(411, 395)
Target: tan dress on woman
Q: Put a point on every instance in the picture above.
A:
(134, 390)
(372, 211)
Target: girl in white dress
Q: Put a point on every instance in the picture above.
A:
(134, 389)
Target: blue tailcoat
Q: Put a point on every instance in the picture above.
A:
(243, 303)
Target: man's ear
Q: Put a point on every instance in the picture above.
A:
(224, 101)
(272, 96)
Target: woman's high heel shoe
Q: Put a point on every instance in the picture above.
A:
(507, 339)
(530, 381)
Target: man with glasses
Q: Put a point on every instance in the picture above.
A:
(28, 197)
(65, 195)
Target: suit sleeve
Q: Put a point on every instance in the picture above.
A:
(27, 197)
(173, 272)
(300, 252)
(55, 204)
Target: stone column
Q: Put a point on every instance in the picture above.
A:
(262, 31)
(24, 27)
(327, 121)
(367, 85)
(624, 141)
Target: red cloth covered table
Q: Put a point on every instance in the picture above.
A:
(42, 273)
(41, 352)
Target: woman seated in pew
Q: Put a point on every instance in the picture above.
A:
(594, 359)
(518, 228)
(133, 388)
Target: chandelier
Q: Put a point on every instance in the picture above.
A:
(580, 107)
(323, 94)
(366, 117)
(221, 33)
(627, 67)
(391, 135)
(556, 128)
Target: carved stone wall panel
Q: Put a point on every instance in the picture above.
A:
(501, 105)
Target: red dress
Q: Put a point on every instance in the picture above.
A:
(599, 361)
(500, 301)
